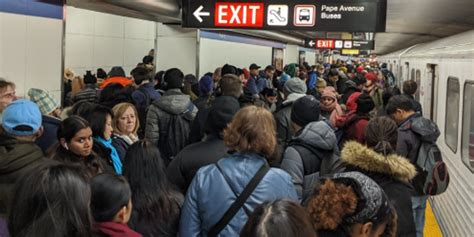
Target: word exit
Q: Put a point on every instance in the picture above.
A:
(232, 14)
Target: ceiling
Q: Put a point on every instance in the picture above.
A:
(409, 22)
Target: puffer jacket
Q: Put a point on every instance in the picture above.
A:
(283, 119)
(411, 133)
(393, 173)
(312, 153)
(173, 102)
(210, 195)
(17, 158)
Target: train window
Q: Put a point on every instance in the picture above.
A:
(418, 82)
(452, 114)
(467, 151)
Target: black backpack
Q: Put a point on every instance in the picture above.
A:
(433, 176)
(174, 134)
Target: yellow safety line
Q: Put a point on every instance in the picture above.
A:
(431, 224)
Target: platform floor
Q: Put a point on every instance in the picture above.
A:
(431, 224)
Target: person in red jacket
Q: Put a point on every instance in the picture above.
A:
(116, 76)
(111, 206)
(354, 126)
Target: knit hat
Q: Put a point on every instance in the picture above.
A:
(221, 113)
(205, 85)
(228, 69)
(89, 78)
(360, 69)
(295, 85)
(44, 100)
(117, 72)
(291, 70)
(365, 104)
(329, 92)
(373, 202)
(101, 73)
(305, 110)
(21, 118)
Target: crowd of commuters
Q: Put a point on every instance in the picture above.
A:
(323, 150)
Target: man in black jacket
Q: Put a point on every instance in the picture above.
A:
(185, 165)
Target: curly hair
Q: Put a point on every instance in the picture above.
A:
(253, 129)
(330, 203)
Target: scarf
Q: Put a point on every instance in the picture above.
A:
(113, 155)
(113, 229)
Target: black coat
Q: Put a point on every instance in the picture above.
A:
(49, 137)
(185, 165)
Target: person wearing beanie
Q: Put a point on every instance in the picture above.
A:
(330, 109)
(293, 89)
(116, 76)
(185, 165)
(90, 91)
(373, 89)
(50, 111)
(174, 109)
(20, 128)
(314, 146)
(206, 87)
(230, 87)
(354, 123)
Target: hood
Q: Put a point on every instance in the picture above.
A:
(318, 135)
(292, 97)
(17, 154)
(427, 129)
(364, 158)
(174, 101)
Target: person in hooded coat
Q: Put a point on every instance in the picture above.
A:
(313, 151)
(330, 109)
(184, 166)
(294, 89)
(392, 172)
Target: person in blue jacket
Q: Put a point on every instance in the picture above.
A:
(255, 83)
(251, 135)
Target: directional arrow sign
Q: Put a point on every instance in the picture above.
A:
(198, 13)
(338, 44)
(311, 43)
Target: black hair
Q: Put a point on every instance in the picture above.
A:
(51, 200)
(229, 69)
(281, 218)
(89, 78)
(154, 199)
(174, 78)
(386, 95)
(269, 68)
(148, 59)
(159, 80)
(101, 73)
(365, 104)
(114, 94)
(97, 119)
(381, 134)
(67, 129)
(269, 92)
(333, 72)
(140, 74)
(82, 108)
(399, 102)
(110, 193)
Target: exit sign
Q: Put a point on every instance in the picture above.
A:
(230, 14)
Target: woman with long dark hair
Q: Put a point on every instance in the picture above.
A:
(51, 201)
(75, 145)
(156, 203)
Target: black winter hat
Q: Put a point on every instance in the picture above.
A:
(229, 69)
(89, 78)
(117, 72)
(365, 104)
(221, 113)
(305, 110)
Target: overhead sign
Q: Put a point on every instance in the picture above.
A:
(306, 15)
(339, 44)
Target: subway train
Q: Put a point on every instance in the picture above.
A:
(444, 72)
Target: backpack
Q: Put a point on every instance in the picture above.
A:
(433, 176)
(142, 110)
(174, 132)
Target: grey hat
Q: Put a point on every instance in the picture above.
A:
(295, 85)
(373, 202)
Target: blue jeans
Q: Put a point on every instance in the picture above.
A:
(418, 205)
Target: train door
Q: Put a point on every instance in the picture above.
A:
(431, 90)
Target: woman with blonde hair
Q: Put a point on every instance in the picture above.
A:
(125, 124)
(224, 194)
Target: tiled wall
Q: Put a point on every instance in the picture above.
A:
(95, 40)
(30, 52)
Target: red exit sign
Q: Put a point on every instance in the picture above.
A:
(325, 44)
(236, 14)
